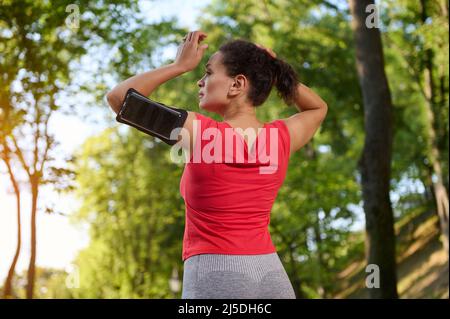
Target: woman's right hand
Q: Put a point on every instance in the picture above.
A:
(190, 52)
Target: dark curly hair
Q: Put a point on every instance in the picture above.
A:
(261, 69)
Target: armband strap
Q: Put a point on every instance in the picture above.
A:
(151, 117)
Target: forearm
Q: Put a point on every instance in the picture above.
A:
(145, 83)
(308, 100)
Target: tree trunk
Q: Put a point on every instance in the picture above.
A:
(375, 162)
(8, 291)
(440, 191)
(32, 265)
(444, 8)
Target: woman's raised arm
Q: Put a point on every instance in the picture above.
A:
(188, 57)
(145, 83)
(303, 125)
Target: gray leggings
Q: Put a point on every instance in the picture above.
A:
(216, 276)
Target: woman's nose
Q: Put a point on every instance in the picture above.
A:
(201, 82)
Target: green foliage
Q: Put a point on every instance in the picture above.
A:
(131, 200)
(50, 284)
(406, 42)
(37, 51)
(313, 216)
(129, 188)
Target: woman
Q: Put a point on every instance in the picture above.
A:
(227, 249)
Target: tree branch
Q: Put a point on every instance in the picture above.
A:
(48, 142)
(19, 154)
(330, 5)
(37, 135)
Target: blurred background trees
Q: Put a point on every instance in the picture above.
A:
(129, 189)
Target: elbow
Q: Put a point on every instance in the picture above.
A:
(113, 101)
(324, 105)
(324, 108)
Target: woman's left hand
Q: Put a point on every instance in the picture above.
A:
(268, 50)
(190, 52)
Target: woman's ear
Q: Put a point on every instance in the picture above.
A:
(238, 85)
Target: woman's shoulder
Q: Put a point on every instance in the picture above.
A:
(280, 124)
(199, 116)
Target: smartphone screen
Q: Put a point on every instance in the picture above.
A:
(140, 112)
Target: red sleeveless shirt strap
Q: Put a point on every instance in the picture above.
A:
(285, 137)
(201, 123)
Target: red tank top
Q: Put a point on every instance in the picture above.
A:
(228, 193)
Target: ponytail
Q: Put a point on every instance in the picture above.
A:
(285, 80)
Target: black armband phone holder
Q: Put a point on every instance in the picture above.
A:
(151, 117)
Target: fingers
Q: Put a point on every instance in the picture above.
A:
(187, 37)
(198, 36)
(195, 36)
(272, 54)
